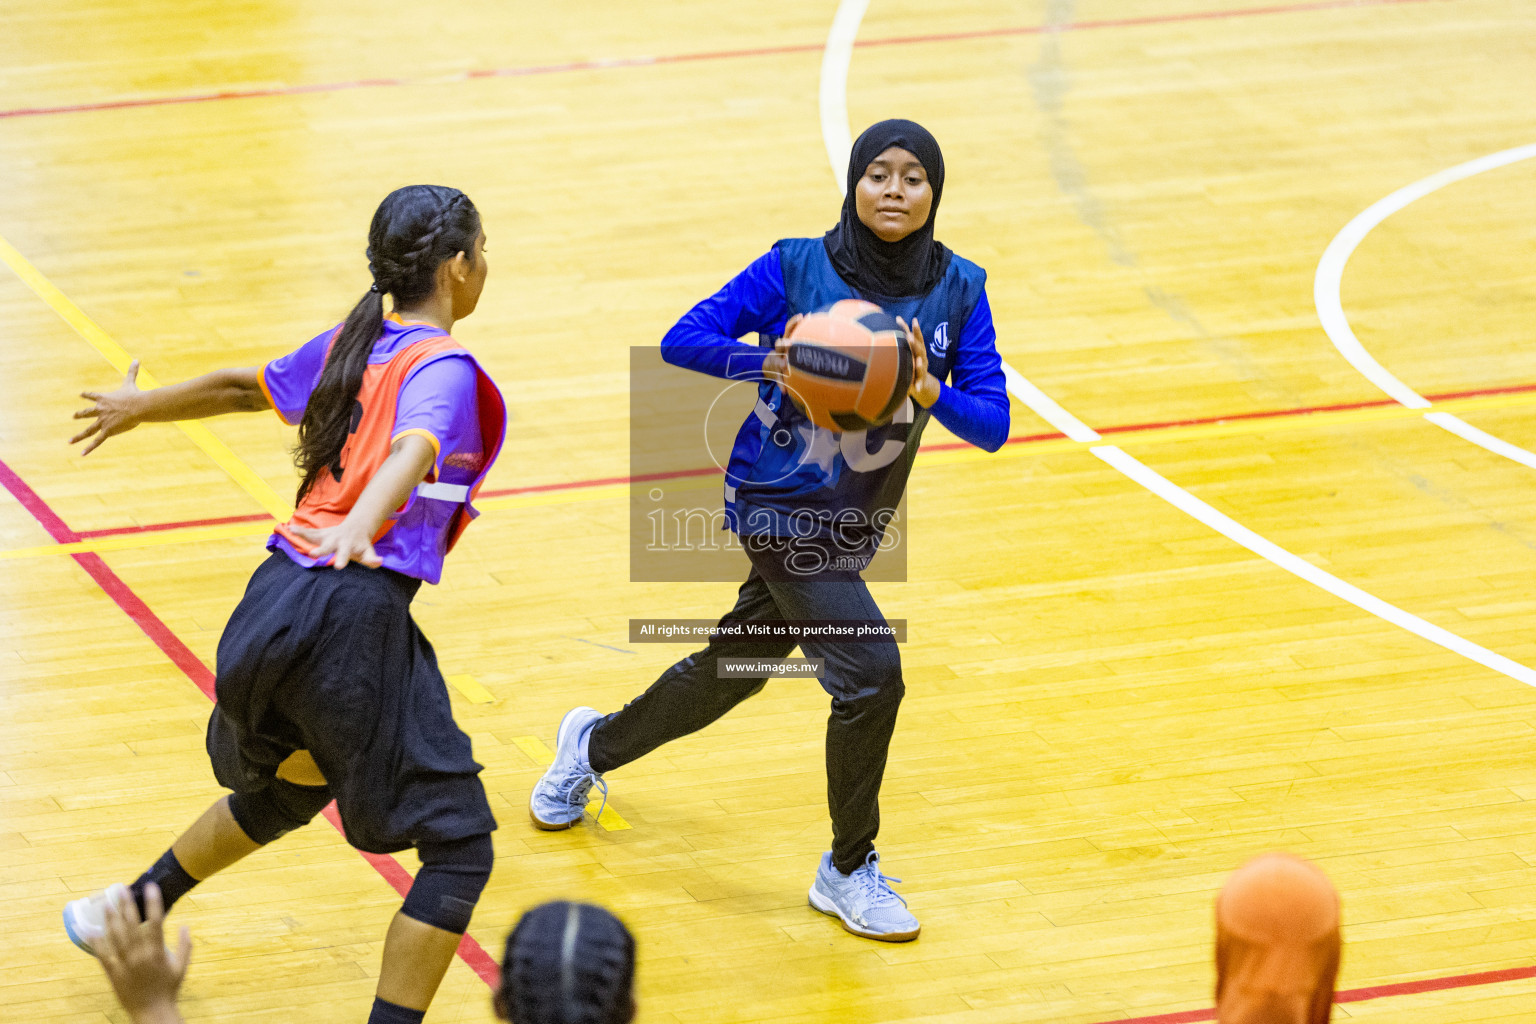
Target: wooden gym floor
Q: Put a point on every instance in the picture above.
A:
(1110, 702)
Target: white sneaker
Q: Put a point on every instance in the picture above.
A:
(866, 905)
(559, 797)
(85, 919)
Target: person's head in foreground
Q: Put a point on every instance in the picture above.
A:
(568, 963)
(1277, 943)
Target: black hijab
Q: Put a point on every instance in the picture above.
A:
(894, 270)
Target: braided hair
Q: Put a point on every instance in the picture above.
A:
(568, 963)
(414, 230)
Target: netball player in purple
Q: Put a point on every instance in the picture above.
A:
(326, 687)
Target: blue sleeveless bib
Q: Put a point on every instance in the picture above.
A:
(789, 478)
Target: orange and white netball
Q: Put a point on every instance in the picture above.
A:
(849, 365)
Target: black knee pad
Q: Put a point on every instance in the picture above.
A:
(449, 883)
(278, 809)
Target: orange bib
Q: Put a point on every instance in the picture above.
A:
(373, 420)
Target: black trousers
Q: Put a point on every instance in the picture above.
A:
(863, 679)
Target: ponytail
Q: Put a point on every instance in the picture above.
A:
(327, 418)
(414, 230)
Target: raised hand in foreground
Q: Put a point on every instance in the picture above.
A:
(145, 975)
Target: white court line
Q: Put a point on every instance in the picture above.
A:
(1461, 428)
(1045, 406)
(835, 59)
(1330, 309)
(1229, 527)
(839, 142)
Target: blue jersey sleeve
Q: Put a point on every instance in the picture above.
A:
(705, 338)
(975, 408)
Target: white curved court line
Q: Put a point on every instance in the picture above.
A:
(835, 59)
(1229, 527)
(839, 142)
(1461, 428)
(1330, 309)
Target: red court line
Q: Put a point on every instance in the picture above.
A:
(1219, 14)
(471, 951)
(110, 582)
(1361, 995)
(1408, 988)
(1182, 1017)
(257, 517)
(112, 531)
(602, 481)
(171, 646)
(613, 63)
(1378, 403)
(56, 527)
(574, 485)
(1307, 411)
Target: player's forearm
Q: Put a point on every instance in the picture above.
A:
(410, 458)
(705, 338)
(212, 394)
(982, 420)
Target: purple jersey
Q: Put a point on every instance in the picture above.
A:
(437, 401)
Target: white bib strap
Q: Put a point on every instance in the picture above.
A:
(444, 492)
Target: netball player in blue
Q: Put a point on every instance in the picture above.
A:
(326, 687)
(784, 473)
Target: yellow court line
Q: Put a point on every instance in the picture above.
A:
(129, 541)
(511, 501)
(543, 756)
(196, 534)
(115, 354)
(470, 687)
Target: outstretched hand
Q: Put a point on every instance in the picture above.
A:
(925, 386)
(145, 975)
(113, 413)
(347, 541)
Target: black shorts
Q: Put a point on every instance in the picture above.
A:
(332, 662)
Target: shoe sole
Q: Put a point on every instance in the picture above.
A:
(829, 908)
(74, 936)
(540, 823)
(547, 826)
